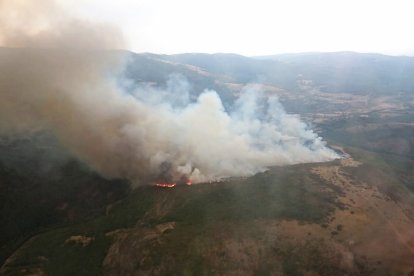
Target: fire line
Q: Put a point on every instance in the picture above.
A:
(165, 185)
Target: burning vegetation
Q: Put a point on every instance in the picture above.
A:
(165, 185)
(166, 178)
(183, 181)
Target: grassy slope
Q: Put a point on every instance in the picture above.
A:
(282, 193)
(210, 218)
(366, 144)
(76, 260)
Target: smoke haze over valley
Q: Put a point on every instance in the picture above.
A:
(71, 89)
(303, 162)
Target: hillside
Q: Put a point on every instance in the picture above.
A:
(333, 218)
(337, 72)
(42, 185)
(350, 216)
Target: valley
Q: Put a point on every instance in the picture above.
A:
(350, 216)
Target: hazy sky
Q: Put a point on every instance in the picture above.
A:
(258, 27)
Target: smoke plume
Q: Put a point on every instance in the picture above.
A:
(63, 81)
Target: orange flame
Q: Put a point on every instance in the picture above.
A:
(165, 185)
(189, 182)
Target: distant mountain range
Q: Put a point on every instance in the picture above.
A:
(351, 216)
(336, 72)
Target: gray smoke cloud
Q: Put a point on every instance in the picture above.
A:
(203, 140)
(63, 81)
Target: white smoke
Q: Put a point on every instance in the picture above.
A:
(204, 141)
(66, 86)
